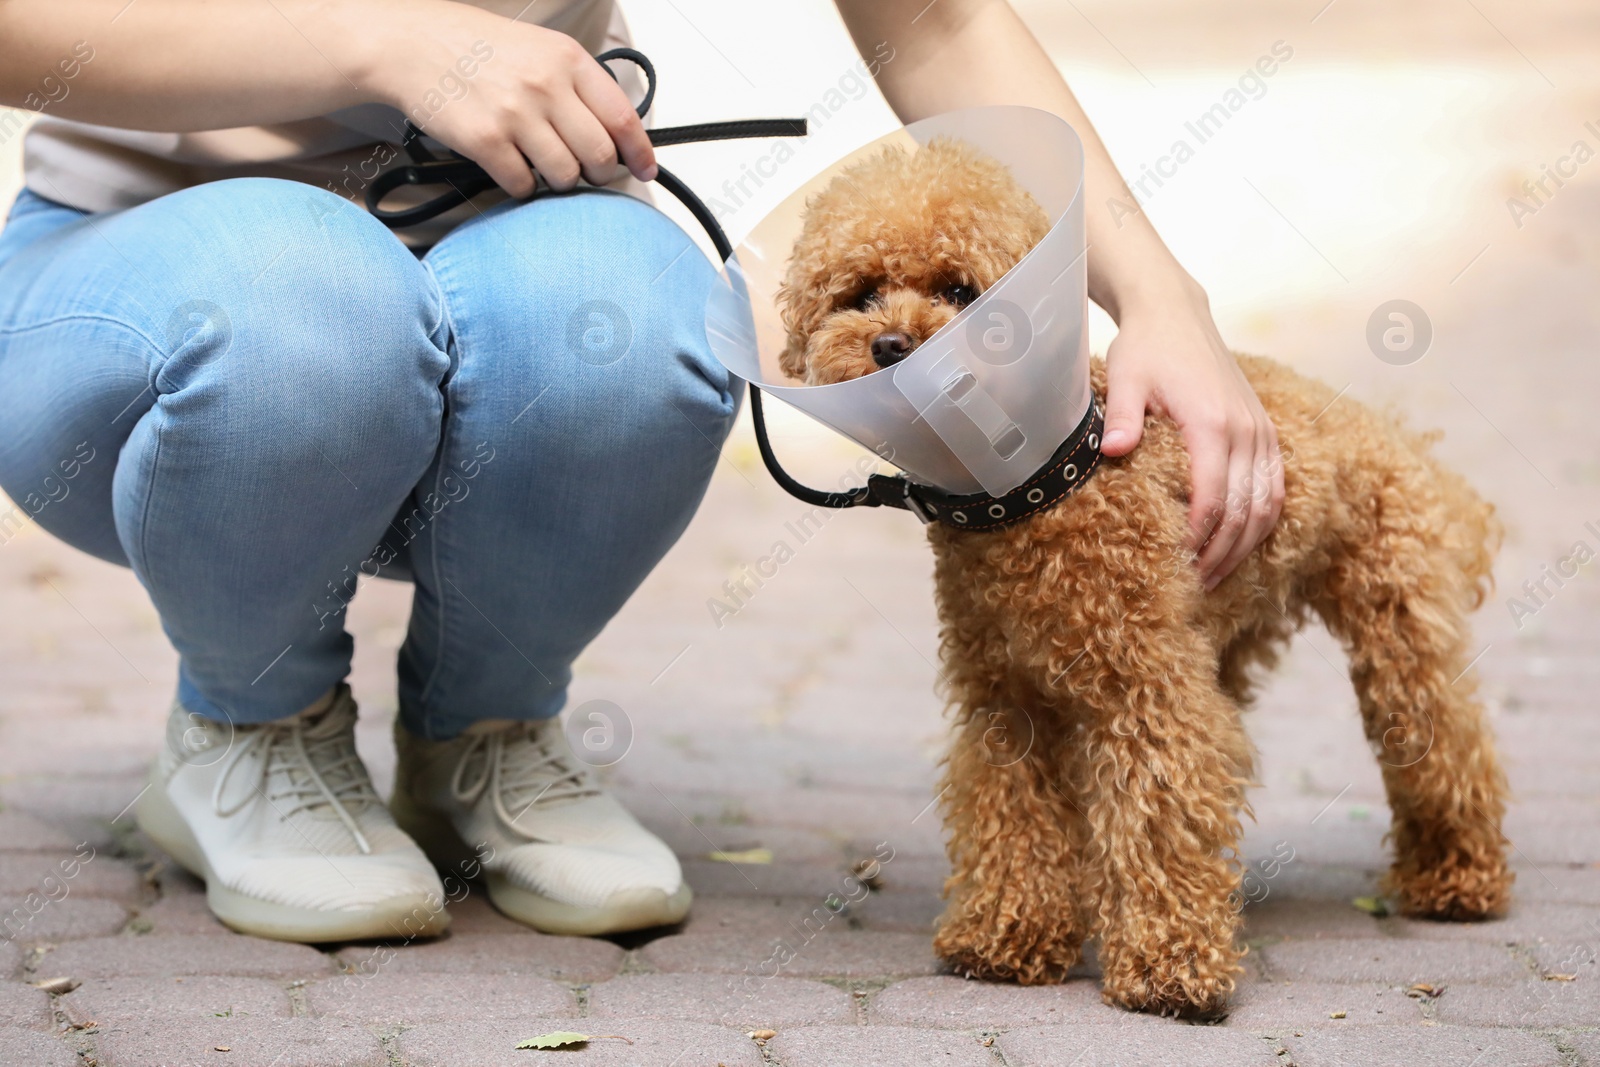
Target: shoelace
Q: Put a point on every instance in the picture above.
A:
(319, 769)
(521, 767)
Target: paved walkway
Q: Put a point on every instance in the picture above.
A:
(806, 723)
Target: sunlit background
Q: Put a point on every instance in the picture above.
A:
(1375, 163)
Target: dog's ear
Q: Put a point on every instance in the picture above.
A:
(791, 299)
(793, 358)
(804, 298)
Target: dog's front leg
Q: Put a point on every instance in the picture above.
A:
(1017, 910)
(1167, 763)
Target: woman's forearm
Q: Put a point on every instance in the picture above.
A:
(1168, 356)
(183, 65)
(968, 53)
(506, 94)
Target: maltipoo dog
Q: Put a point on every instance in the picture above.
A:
(1098, 769)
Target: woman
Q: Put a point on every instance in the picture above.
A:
(257, 392)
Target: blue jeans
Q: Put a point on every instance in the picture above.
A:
(252, 394)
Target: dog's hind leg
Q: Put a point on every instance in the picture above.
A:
(1016, 908)
(1398, 597)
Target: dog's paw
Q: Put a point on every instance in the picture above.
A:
(1453, 892)
(1172, 980)
(1012, 955)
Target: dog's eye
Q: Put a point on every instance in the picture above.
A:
(865, 299)
(958, 295)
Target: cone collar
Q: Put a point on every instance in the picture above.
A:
(986, 401)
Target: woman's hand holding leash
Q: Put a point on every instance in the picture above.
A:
(538, 99)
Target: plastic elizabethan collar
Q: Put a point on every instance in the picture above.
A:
(985, 401)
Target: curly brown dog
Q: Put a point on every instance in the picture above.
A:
(1084, 629)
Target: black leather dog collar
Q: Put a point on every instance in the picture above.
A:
(1069, 468)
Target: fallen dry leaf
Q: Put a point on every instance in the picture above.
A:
(223, 1048)
(746, 855)
(762, 1035)
(1336, 1015)
(1560, 978)
(1423, 989)
(57, 985)
(567, 1038)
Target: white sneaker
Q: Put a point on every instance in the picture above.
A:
(282, 822)
(557, 852)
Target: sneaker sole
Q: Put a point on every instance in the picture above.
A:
(629, 909)
(403, 917)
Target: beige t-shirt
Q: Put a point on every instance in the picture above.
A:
(101, 168)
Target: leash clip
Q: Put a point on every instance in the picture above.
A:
(893, 491)
(915, 506)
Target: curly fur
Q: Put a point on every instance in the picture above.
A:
(1096, 777)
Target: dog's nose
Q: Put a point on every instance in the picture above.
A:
(890, 348)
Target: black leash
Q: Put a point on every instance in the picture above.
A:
(1068, 469)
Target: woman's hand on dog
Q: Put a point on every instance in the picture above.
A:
(1168, 358)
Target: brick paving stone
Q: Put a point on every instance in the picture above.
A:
(1552, 843)
(1372, 1046)
(1529, 922)
(29, 1048)
(1265, 1005)
(860, 813)
(22, 873)
(24, 1006)
(171, 879)
(656, 1043)
(1402, 962)
(959, 1004)
(20, 832)
(178, 913)
(915, 874)
(565, 959)
(473, 914)
(68, 919)
(909, 913)
(849, 954)
(432, 998)
(727, 1000)
(1277, 917)
(789, 844)
(1557, 885)
(1581, 958)
(1585, 1046)
(758, 915)
(250, 1043)
(1541, 1004)
(877, 1046)
(1311, 881)
(157, 956)
(81, 805)
(816, 880)
(1136, 1046)
(111, 1001)
(1331, 842)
